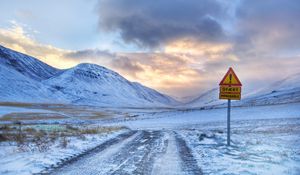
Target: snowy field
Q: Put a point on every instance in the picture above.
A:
(265, 140)
(262, 146)
(174, 119)
(30, 159)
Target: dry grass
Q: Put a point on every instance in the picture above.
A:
(20, 104)
(39, 137)
(97, 115)
(16, 104)
(31, 116)
(80, 112)
(36, 137)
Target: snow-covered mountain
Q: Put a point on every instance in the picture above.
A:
(286, 90)
(26, 79)
(26, 65)
(210, 97)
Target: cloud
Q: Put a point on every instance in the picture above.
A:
(163, 71)
(90, 54)
(17, 38)
(269, 25)
(154, 23)
(125, 64)
(250, 26)
(190, 44)
(178, 69)
(115, 61)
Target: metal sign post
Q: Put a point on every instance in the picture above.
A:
(228, 122)
(230, 89)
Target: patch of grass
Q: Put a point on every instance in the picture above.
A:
(16, 104)
(98, 115)
(3, 138)
(37, 105)
(80, 112)
(64, 141)
(31, 116)
(4, 128)
(40, 137)
(42, 141)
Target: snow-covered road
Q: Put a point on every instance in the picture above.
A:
(139, 152)
(264, 146)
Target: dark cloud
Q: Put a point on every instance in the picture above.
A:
(90, 54)
(127, 65)
(113, 60)
(151, 23)
(268, 24)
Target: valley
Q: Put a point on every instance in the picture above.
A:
(90, 120)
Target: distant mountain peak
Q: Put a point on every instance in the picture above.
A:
(26, 65)
(94, 68)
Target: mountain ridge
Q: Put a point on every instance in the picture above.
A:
(82, 84)
(26, 79)
(286, 90)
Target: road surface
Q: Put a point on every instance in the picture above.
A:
(135, 152)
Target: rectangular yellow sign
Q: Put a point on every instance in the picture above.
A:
(227, 89)
(230, 96)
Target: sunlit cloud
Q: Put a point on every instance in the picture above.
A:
(184, 67)
(181, 47)
(17, 38)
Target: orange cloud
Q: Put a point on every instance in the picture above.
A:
(180, 67)
(183, 67)
(17, 39)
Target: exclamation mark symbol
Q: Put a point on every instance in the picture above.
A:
(230, 77)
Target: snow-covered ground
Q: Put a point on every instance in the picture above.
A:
(14, 160)
(175, 119)
(262, 146)
(8, 109)
(265, 140)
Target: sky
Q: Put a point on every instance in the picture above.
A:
(178, 47)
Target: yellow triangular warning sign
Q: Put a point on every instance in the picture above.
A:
(230, 79)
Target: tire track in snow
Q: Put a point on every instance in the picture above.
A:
(69, 161)
(157, 147)
(136, 152)
(134, 155)
(169, 162)
(138, 158)
(189, 163)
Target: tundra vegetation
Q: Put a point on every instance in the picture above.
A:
(39, 137)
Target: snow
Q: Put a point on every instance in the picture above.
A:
(98, 157)
(26, 79)
(7, 109)
(14, 161)
(208, 98)
(283, 91)
(265, 124)
(265, 140)
(26, 65)
(169, 163)
(188, 117)
(93, 84)
(266, 150)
